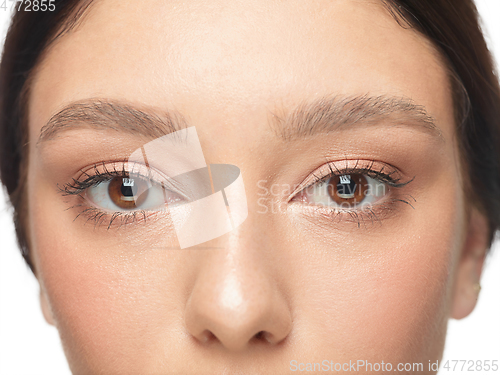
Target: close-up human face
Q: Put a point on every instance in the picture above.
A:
(300, 96)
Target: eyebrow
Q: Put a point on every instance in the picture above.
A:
(102, 114)
(323, 115)
(332, 113)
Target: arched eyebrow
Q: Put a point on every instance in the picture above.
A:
(333, 113)
(101, 114)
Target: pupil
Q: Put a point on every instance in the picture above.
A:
(350, 189)
(127, 191)
(346, 189)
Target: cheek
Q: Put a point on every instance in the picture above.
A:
(110, 297)
(405, 298)
(386, 294)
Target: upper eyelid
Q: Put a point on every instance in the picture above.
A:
(150, 171)
(130, 168)
(85, 174)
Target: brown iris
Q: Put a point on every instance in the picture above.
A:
(128, 193)
(350, 189)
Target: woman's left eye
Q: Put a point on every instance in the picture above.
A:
(344, 191)
(129, 194)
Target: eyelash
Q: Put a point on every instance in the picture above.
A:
(78, 187)
(369, 171)
(358, 215)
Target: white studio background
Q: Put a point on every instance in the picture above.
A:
(29, 346)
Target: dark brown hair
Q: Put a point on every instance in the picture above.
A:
(451, 25)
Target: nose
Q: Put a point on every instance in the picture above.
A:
(235, 301)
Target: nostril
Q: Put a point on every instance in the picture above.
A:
(264, 336)
(207, 336)
(259, 335)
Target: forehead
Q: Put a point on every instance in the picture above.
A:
(213, 59)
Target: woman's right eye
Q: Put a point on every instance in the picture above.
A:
(130, 194)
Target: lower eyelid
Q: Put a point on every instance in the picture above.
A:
(93, 215)
(375, 215)
(388, 206)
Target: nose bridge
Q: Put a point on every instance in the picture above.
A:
(235, 299)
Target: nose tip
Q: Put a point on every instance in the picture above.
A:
(237, 316)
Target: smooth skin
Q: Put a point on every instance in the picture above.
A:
(293, 284)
